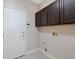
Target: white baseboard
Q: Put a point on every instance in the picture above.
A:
(41, 50)
(32, 51)
(47, 54)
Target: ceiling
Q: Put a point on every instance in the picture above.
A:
(37, 1)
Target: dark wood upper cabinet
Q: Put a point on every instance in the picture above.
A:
(53, 13)
(44, 17)
(37, 19)
(59, 12)
(67, 11)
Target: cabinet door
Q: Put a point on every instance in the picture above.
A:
(44, 17)
(38, 19)
(53, 13)
(68, 11)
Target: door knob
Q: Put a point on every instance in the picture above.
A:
(22, 32)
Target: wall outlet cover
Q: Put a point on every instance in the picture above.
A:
(55, 33)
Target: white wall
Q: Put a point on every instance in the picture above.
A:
(45, 3)
(63, 46)
(30, 8)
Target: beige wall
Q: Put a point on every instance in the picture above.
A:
(61, 47)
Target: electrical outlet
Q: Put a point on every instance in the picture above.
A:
(55, 33)
(43, 42)
(46, 49)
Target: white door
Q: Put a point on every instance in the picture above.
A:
(14, 33)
